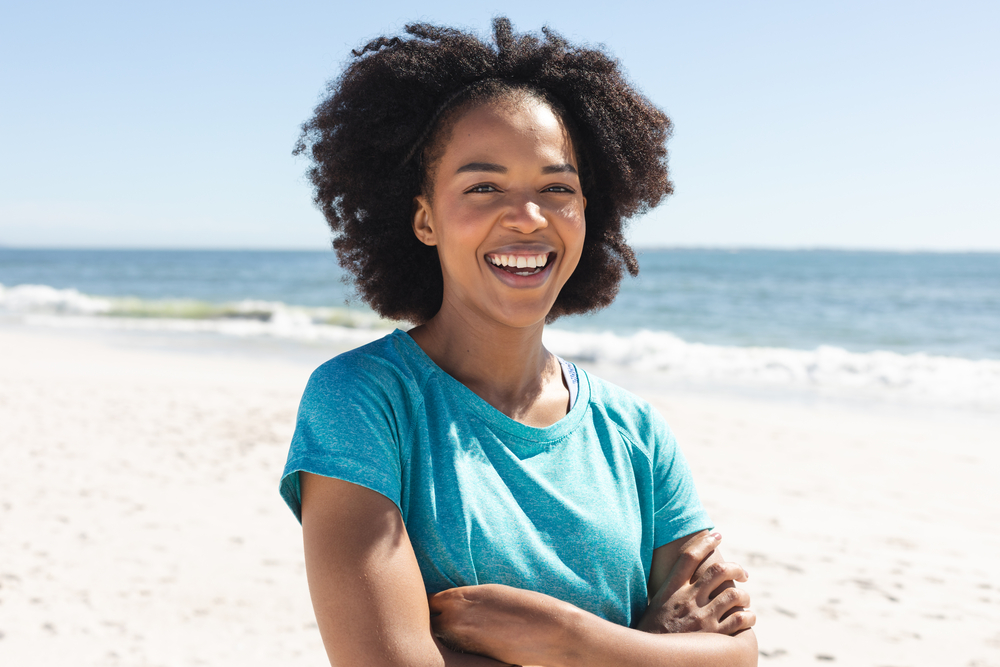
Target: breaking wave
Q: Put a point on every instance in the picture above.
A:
(945, 380)
(44, 305)
(941, 379)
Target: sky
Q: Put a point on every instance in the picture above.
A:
(868, 125)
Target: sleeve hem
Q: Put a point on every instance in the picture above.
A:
(665, 532)
(292, 494)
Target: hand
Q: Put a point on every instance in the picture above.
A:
(699, 594)
(508, 624)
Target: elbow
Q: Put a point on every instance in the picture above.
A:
(746, 651)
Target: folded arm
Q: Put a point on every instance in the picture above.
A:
(372, 608)
(695, 617)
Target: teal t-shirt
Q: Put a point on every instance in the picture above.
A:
(573, 510)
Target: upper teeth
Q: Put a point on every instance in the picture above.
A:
(520, 261)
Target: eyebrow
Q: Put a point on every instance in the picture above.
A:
(482, 166)
(500, 169)
(559, 169)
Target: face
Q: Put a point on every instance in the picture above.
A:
(506, 212)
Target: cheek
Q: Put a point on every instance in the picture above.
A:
(574, 237)
(576, 227)
(460, 241)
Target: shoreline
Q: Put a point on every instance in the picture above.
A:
(646, 361)
(141, 525)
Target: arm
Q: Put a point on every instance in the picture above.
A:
(364, 580)
(692, 584)
(528, 628)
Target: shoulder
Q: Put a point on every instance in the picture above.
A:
(634, 417)
(620, 404)
(354, 420)
(384, 368)
(388, 354)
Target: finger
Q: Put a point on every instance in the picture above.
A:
(692, 555)
(728, 601)
(714, 577)
(738, 621)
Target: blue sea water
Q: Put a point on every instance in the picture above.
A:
(937, 303)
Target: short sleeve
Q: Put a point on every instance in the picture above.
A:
(348, 427)
(677, 509)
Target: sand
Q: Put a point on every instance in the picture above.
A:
(140, 522)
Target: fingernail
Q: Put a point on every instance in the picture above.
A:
(745, 573)
(717, 536)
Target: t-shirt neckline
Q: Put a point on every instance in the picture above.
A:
(497, 419)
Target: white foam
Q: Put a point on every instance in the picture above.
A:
(947, 380)
(255, 317)
(287, 330)
(45, 299)
(943, 380)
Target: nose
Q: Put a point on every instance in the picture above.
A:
(525, 216)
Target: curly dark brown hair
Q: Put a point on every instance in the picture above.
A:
(374, 139)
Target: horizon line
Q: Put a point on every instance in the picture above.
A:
(637, 248)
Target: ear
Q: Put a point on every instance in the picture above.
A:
(423, 223)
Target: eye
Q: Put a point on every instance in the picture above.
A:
(481, 188)
(559, 189)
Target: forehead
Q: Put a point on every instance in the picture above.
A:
(520, 127)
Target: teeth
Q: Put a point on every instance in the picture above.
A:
(520, 261)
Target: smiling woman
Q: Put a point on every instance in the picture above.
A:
(505, 199)
(467, 497)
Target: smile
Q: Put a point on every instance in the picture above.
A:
(519, 265)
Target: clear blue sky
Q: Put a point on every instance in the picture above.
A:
(798, 124)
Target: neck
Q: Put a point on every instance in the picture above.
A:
(508, 367)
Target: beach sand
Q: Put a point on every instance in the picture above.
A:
(140, 522)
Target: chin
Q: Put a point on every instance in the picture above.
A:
(521, 318)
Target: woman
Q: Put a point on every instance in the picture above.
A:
(466, 497)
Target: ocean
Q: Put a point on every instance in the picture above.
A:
(922, 326)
